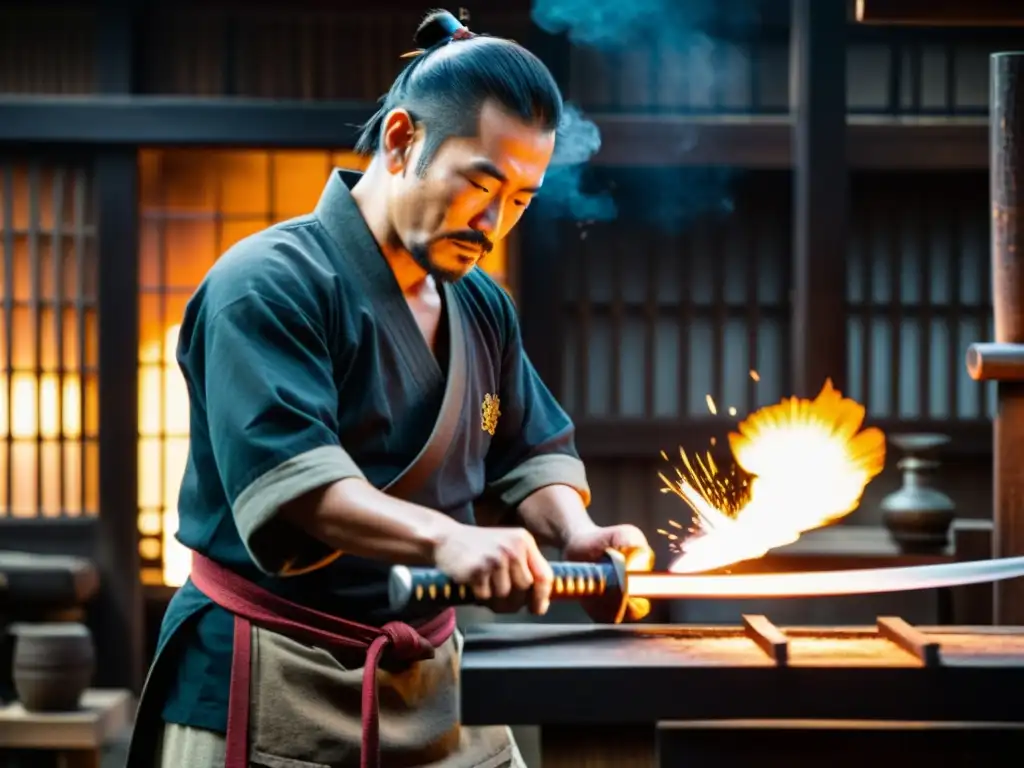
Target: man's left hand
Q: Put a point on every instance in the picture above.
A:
(590, 545)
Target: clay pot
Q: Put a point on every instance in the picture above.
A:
(53, 664)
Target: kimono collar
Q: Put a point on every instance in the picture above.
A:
(341, 218)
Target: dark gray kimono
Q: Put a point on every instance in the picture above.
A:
(305, 366)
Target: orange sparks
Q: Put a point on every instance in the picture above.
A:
(799, 465)
(755, 375)
(711, 404)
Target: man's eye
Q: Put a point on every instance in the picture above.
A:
(480, 187)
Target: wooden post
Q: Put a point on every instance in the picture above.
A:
(820, 202)
(1003, 361)
(119, 608)
(542, 249)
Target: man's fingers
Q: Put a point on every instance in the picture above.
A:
(543, 578)
(633, 545)
(628, 537)
(522, 577)
(639, 559)
(501, 581)
(481, 584)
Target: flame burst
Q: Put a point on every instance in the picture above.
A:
(800, 465)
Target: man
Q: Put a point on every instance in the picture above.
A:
(358, 388)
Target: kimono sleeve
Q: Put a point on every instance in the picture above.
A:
(272, 407)
(533, 445)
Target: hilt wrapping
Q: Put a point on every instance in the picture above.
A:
(601, 583)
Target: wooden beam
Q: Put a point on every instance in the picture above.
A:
(1007, 176)
(941, 13)
(821, 196)
(873, 142)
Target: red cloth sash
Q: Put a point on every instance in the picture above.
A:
(253, 605)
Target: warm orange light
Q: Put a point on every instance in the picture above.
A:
(808, 462)
(39, 408)
(44, 420)
(163, 451)
(195, 205)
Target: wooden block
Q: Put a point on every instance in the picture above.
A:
(898, 632)
(104, 714)
(768, 638)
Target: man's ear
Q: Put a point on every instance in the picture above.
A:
(397, 140)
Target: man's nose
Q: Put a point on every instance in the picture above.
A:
(489, 220)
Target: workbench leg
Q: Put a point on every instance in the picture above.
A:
(839, 744)
(598, 746)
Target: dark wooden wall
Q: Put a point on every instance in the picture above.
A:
(632, 321)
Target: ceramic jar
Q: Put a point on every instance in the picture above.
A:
(919, 515)
(53, 665)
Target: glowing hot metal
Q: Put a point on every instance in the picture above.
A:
(824, 583)
(609, 582)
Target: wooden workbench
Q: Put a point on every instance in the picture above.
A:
(76, 738)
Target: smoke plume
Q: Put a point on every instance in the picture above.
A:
(677, 35)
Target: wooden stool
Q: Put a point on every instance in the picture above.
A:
(76, 738)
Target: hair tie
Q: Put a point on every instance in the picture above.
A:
(457, 30)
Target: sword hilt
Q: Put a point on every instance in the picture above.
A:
(602, 585)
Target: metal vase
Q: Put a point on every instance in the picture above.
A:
(919, 515)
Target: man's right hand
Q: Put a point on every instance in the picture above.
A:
(503, 566)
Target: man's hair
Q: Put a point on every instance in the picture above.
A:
(445, 89)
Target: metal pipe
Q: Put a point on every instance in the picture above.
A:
(995, 362)
(940, 13)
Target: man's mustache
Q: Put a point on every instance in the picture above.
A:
(470, 237)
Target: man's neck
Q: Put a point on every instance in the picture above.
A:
(370, 197)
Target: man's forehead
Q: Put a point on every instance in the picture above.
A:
(506, 136)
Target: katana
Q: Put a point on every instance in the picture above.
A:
(609, 583)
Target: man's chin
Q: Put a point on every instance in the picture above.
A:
(452, 270)
(445, 275)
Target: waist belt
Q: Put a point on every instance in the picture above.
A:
(252, 605)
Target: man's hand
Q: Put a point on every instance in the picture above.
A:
(589, 545)
(504, 566)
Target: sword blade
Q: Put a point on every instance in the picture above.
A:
(823, 583)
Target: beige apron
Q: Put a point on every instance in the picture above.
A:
(305, 713)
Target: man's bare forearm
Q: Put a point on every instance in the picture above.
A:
(354, 517)
(553, 514)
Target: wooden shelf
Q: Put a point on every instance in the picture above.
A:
(103, 716)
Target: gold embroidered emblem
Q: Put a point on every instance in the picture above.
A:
(490, 410)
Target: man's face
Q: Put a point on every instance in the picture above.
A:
(473, 191)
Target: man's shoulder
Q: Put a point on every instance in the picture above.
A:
(287, 263)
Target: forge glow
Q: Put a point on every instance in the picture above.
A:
(807, 462)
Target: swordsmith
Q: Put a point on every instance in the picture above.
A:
(609, 584)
